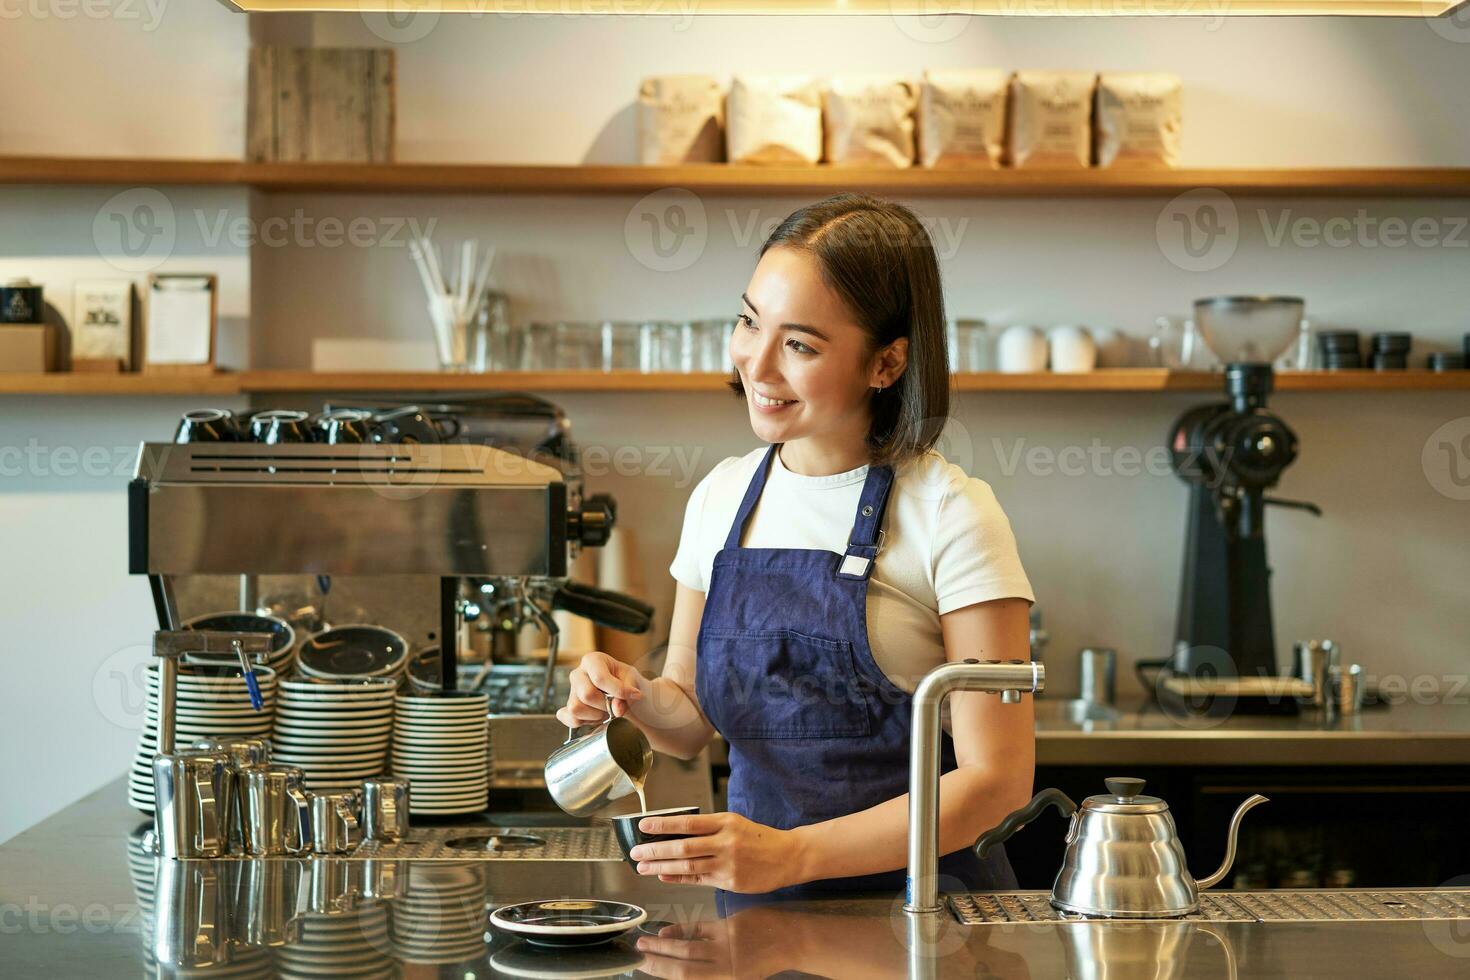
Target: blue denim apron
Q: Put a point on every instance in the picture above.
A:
(784, 672)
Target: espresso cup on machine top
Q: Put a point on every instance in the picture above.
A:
(276, 426)
(207, 425)
(345, 426)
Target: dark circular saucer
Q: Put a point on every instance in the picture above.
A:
(282, 635)
(568, 921)
(353, 651)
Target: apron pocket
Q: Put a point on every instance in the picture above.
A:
(781, 684)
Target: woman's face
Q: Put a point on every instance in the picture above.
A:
(803, 360)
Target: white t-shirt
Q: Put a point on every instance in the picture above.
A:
(947, 545)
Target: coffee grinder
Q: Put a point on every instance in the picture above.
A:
(1230, 453)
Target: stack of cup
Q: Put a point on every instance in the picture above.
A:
(1391, 351)
(1340, 350)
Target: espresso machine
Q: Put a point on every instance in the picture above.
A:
(1230, 454)
(498, 509)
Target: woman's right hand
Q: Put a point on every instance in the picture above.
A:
(596, 679)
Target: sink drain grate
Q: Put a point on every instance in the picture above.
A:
(1295, 905)
(515, 844)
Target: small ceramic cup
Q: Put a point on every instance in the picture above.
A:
(625, 828)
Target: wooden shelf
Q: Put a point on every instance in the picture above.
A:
(724, 179)
(311, 382)
(86, 384)
(264, 382)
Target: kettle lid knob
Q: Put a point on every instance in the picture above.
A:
(1125, 788)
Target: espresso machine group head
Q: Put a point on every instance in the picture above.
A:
(1230, 453)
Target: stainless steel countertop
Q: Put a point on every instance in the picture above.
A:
(1402, 734)
(75, 901)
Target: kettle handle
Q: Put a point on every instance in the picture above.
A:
(1013, 822)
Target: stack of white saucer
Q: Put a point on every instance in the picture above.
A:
(441, 742)
(337, 732)
(208, 701)
(439, 915)
(337, 945)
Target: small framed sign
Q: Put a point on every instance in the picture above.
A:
(181, 322)
(102, 325)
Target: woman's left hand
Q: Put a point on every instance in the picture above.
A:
(723, 850)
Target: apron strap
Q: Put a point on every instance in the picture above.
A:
(752, 494)
(867, 528)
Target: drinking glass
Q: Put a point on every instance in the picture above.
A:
(712, 345)
(1178, 346)
(578, 346)
(665, 346)
(622, 348)
(538, 347)
(491, 335)
(971, 346)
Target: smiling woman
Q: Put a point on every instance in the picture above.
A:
(866, 271)
(821, 575)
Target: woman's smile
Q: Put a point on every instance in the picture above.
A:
(769, 405)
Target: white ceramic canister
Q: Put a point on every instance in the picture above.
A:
(1021, 350)
(1072, 350)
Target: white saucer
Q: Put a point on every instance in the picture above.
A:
(407, 739)
(282, 740)
(308, 727)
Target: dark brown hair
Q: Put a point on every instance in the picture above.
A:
(879, 259)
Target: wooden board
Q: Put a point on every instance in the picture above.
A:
(320, 104)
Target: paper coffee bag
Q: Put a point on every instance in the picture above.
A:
(868, 121)
(1051, 119)
(681, 119)
(1138, 119)
(774, 119)
(962, 118)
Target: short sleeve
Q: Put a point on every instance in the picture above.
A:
(975, 555)
(689, 567)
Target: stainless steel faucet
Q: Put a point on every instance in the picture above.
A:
(1008, 678)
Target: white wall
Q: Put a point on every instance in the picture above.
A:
(127, 78)
(1383, 570)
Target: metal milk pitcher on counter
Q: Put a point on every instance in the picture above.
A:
(609, 762)
(243, 752)
(275, 811)
(335, 828)
(1123, 858)
(189, 815)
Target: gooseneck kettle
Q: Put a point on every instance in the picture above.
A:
(1123, 857)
